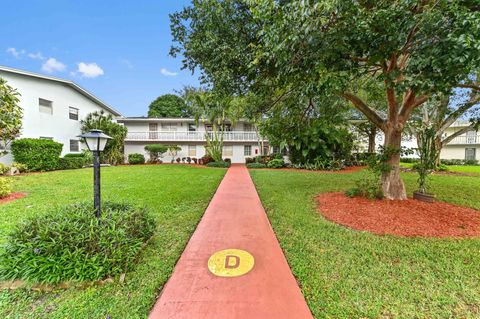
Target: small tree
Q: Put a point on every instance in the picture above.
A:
(113, 153)
(156, 152)
(10, 115)
(428, 154)
(173, 151)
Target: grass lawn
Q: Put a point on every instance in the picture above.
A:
(472, 169)
(176, 195)
(350, 274)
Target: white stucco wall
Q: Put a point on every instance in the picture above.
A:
(237, 148)
(458, 151)
(57, 125)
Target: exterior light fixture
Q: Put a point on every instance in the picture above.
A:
(96, 141)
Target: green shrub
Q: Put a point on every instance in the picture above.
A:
(256, 165)
(136, 158)
(76, 155)
(276, 163)
(471, 162)
(37, 154)
(22, 168)
(156, 151)
(5, 187)
(368, 186)
(3, 169)
(71, 163)
(409, 160)
(70, 243)
(218, 164)
(442, 168)
(249, 160)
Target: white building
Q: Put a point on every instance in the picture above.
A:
(240, 140)
(466, 146)
(52, 108)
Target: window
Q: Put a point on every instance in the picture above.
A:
(276, 150)
(247, 127)
(266, 150)
(169, 126)
(45, 106)
(247, 150)
(192, 150)
(74, 146)
(470, 154)
(46, 138)
(192, 127)
(73, 113)
(228, 150)
(227, 128)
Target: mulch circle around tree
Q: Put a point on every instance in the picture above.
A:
(408, 218)
(12, 197)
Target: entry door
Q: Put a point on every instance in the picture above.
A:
(153, 128)
(470, 154)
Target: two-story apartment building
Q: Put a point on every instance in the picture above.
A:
(465, 146)
(52, 107)
(240, 139)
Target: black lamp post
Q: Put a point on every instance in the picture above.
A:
(96, 141)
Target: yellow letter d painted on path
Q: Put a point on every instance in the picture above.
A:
(230, 263)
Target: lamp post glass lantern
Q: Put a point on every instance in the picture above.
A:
(96, 141)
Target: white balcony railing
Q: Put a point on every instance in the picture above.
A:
(232, 136)
(465, 140)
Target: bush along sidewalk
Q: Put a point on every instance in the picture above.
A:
(72, 244)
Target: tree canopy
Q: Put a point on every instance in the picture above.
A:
(10, 114)
(113, 152)
(277, 48)
(169, 105)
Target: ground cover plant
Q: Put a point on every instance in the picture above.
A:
(71, 244)
(345, 273)
(176, 196)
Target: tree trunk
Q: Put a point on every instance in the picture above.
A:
(372, 134)
(438, 149)
(392, 184)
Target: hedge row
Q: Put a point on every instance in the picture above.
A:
(44, 155)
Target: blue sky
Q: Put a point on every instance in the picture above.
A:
(118, 50)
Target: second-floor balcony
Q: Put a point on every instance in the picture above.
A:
(465, 140)
(174, 136)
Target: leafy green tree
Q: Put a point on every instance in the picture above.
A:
(113, 153)
(10, 115)
(156, 152)
(169, 105)
(415, 48)
(441, 111)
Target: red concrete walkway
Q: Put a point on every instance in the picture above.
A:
(235, 218)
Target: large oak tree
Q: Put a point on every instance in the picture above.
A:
(415, 48)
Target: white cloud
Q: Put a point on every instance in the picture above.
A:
(89, 70)
(36, 56)
(168, 73)
(17, 54)
(53, 65)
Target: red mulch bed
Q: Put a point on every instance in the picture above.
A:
(409, 218)
(12, 197)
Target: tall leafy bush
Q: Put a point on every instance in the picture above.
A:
(37, 154)
(113, 153)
